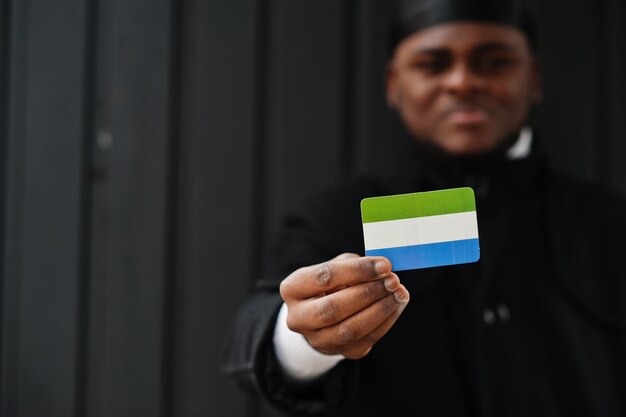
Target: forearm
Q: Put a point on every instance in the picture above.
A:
(251, 331)
(250, 357)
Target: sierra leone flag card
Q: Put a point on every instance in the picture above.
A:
(422, 230)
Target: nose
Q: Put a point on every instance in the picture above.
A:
(461, 80)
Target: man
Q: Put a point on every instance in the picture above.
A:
(537, 327)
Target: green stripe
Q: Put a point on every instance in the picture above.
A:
(408, 206)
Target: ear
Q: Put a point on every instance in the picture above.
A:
(391, 82)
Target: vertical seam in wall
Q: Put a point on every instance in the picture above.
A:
(172, 211)
(5, 31)
(14, 188)
(348, 106)
(602, 165)
(258, 207)
(86, 212)
(259, 148)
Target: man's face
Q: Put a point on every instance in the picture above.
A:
(465, 87)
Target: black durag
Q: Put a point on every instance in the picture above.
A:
(410, 16)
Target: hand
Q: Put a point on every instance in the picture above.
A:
(345, 305)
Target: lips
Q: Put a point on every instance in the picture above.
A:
(467, 115)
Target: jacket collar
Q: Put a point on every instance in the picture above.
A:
(510, 169)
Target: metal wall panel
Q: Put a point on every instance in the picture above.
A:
(215, 200)
(304, 111)
(130, 256)
(44, 208)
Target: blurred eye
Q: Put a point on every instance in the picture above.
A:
(431, 65)
(494, 63)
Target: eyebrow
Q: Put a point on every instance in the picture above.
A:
(482, 48)
(495, 46)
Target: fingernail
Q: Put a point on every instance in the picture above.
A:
(401, 295)
(382, 267)
(391, 284)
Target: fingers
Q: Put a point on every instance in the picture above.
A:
(344, 305)
(362, 347)
(338, 306)
(317, 280)
(354, 336)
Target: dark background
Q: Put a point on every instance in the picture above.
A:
(148, 148)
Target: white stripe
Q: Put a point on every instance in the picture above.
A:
(420, 230)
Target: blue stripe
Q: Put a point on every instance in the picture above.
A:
(430, 255)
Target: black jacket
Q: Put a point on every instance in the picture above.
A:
(536, 327)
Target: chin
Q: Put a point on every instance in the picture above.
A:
(467, 148)
(467, 144)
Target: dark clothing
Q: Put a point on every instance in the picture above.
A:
(536, 327)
